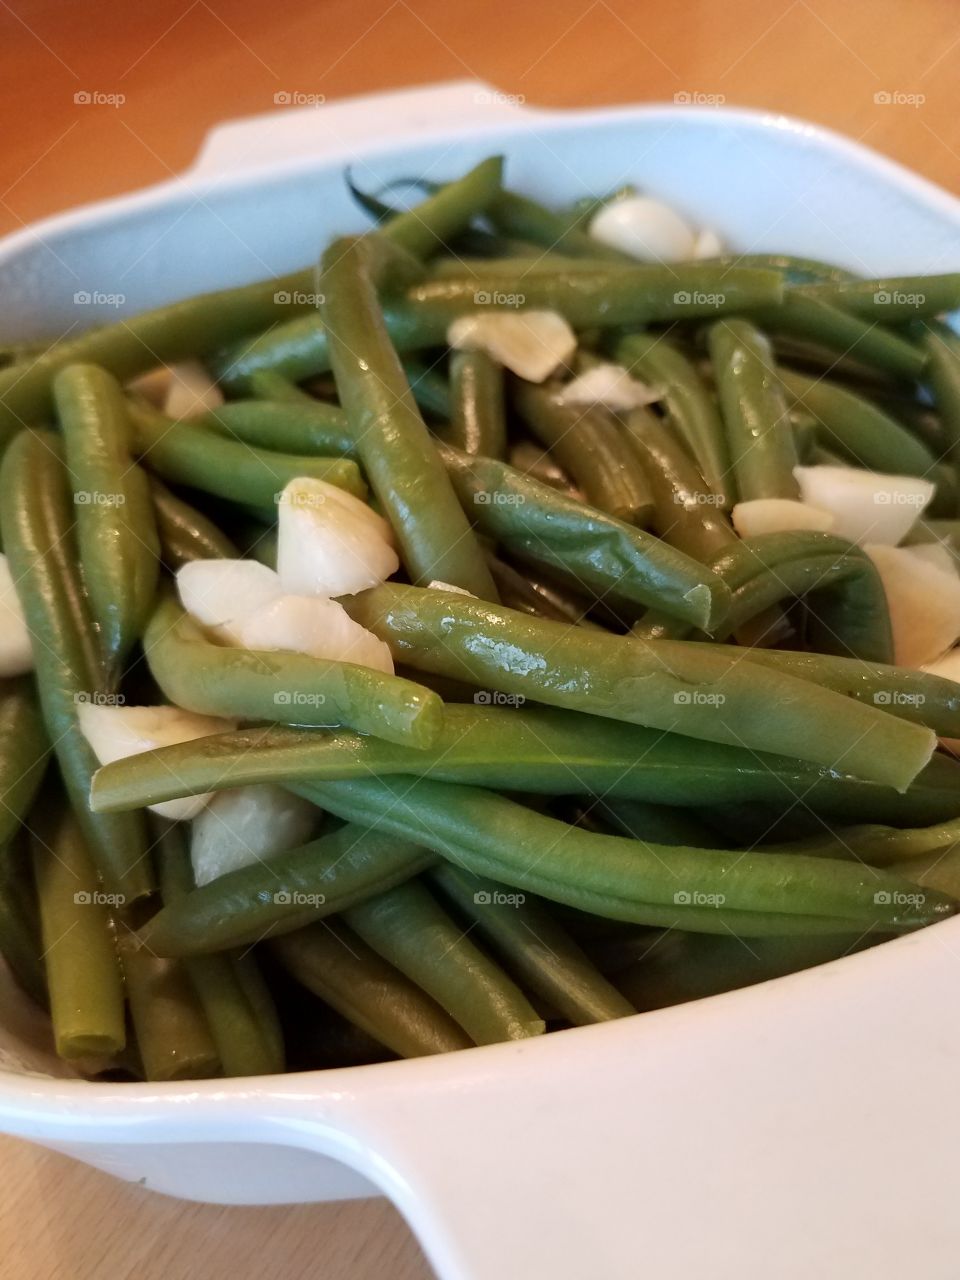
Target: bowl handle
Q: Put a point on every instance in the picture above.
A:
(294, 131)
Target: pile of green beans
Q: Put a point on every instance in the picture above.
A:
(627, 758)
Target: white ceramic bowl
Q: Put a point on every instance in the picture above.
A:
(803, 1127)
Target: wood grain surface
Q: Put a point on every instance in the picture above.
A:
(883, 71)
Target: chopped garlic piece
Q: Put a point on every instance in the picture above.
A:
(531, 344)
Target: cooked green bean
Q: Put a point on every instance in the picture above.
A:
(592, 448)
(598, 551)
(794, 270)
(185, 453)
(295, 688)
(233, 995)
(163, 335)
(691, 408)
(172, 1032)
(447, 211)
(430, 388)
(533, 946)
(702, 890)
(24, 751)
(533, 461)
(661, 823)
(890, 298)
(408, 928)
(857, 428)
(185, 533)
(519, 592)
(517, 216)
(79, 951)
(116, 527)
(335, 965)
(391, 437)
(37, 516)
(268, 385)
(286, 892)
(285, 426)
(759, 438)
(687, 513)
(942, 347)
(477, 408)
(802, 316)
(551, 752)
(20, 939)
(662, 684)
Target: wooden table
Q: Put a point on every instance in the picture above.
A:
(182, 65)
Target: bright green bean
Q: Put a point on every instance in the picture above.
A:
(285, 426)
(477, 406)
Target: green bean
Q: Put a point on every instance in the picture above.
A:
(795, 270)
(285, 893)
(477, 410)
(857, 428)
(525, 219)
(447, 211)
(293, 687)
(692, 410)
(592, 448)
(20, 940)
(116, 528)
(942, 348)
(185, 453)
(598, 551)
(163, 335)
(551, 752)
(408, 928)
(527, 596)
(172, 1032)
(24, 751)
(534, 262)
(839, 331)
(37, 516)
(759, 439)
(391, 437)
(687, 513)
(890, 298)
(702, 890)
(534, 947)
(268, 385)
(664, 824)
(336, 966)
(83, 973)
(882, 846)
(850, 616)
(185, 533)
(233, 995)
(622, 296)
(661, 684)
(430, 388)
(533, 461)
(939, 871)
(286, 427)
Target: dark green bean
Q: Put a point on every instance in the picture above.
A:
(599, 552)
(592, 448)
(24, 751)
(533, 946)
(697, 889)
(533, 461)
(661, 823)
(447, 211)
(527, 596)
(890, 298)
(437, 542)
(185, 533)
(759, 438)
(334, 964)
(524, 219)
(477, 409)
(805, 317)
(116, 527)
(430, 388)
(37, 515)
(285, 687)
(268, 385)
(691, 408)
(661, 684)
(408, 928)
(20, 940)
(942, 348)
